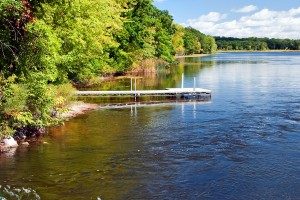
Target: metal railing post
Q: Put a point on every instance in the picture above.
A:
(135, 89)
(182, 81)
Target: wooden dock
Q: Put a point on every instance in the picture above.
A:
(176, 92)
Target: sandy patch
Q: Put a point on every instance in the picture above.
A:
(79, 108)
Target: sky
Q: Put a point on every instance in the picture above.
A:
(237, 18)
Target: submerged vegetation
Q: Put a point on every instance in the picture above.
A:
(8, 192)
(46, 46)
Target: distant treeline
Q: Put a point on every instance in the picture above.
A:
(256, 44)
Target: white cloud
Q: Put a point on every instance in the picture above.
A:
(212, 17)
(246, 9)
(263, 23)
(158, 1)
(206, 21)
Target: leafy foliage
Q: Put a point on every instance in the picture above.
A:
(14, 15)
(83, 29)
(177, 40)
(197, 42)
(33, 103)
(192, 43)
(147, 33)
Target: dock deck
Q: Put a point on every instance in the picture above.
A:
(138, 93)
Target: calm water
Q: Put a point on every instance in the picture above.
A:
(244, 144)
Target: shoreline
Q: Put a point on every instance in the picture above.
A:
(79, 108)
(253, 51)
(76, 109)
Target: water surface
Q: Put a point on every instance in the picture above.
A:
(244, 144)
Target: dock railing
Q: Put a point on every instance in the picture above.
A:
(176, 92)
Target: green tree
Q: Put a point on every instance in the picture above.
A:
(193, 38)
(191, 41)
(84, 29)
(208, 44)
(136, 39)
(146, 34)
(177, 40)
(164, 31)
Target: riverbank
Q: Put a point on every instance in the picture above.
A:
(75, 109)
(79, 108)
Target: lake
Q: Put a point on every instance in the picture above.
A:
(243, 144)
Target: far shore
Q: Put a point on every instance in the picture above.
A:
(232, 51)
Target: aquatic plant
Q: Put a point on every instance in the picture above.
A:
(8, 192)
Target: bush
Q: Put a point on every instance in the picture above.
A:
(63, 97)
(32, 104)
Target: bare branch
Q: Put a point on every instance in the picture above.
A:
(9, 47)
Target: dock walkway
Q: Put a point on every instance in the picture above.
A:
(138, 93)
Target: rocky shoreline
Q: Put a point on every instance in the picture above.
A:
(76, 109)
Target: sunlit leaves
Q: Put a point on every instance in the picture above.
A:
(177, 39)
(79, 33)
(197, 42)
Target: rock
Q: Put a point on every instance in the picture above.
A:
(25, 143)
(2, 148)
(29, 131)
(10, 142)
(19, 136)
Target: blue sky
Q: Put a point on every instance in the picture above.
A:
(244, 18)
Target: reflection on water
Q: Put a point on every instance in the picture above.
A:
(244, 144)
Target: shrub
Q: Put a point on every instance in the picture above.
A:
(32, 104)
